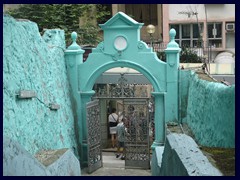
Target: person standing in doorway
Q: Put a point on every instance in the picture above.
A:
(113, 121)
(121, 138)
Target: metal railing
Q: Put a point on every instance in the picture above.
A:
(188, 54)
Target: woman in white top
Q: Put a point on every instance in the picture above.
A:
(113, 121)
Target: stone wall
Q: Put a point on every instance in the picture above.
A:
(210, 110)
(183, 91)
(35, 62)
(182, 157)
(18, 162)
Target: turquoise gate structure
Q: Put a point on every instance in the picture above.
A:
(122, 47)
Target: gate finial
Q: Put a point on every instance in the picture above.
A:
(172, 43)
(74, 36)
(74, 45)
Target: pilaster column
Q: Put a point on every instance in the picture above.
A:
(159, 119)
(74, 57)
(85, 97)
(172, 55)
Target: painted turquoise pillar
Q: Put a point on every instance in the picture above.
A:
(159, 119)
(159, 122)
(85, 97)
(74, 57)
(172, 55)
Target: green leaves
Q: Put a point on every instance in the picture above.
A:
(189, 55)
(66, 17)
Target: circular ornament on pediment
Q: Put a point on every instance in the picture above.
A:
(120, 43)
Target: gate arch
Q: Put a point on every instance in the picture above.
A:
(122, 47)
(123, 63)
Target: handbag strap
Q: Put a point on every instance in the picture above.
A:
(114, 118)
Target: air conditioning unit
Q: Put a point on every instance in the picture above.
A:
(230, 26)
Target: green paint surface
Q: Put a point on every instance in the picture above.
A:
(32, 62)
(183, 92)
(210, 110)
(122, 47)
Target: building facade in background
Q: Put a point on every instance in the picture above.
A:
(211, 26)
(205, 25)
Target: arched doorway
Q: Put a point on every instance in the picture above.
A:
(129, 92)
(122, 47)
(131, 99)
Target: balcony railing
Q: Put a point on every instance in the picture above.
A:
(187, 55)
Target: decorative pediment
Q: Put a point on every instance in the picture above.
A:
(121, 20)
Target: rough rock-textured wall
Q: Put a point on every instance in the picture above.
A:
(32, 62)
(66, 165)
(183, 91)
(211, 112)
(18, 162)
(182, 157)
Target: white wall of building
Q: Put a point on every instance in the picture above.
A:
(214, 11)
(220, 11)
(175, 11)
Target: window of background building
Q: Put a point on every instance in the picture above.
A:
(215, 34)
(143, 13)
(188, 34)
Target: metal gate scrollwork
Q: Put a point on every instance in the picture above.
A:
(94, 136)
(135, 101)
(137, 135)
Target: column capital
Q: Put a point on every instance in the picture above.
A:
(74, 48)
(87, 93)
(156, 144)
(155, 94)
(172, 46)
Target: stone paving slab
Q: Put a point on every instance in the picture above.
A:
(113, 166)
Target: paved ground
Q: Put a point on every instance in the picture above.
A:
(116, 167)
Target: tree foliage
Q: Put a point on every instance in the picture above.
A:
(187, 55)
(66, 17)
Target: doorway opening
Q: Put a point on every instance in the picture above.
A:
(129, 92)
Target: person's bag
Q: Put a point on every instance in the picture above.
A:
(113, 124)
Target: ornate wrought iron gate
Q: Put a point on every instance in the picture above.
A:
(137, 137)
(135, 100)
(93, 136)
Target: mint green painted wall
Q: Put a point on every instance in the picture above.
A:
(182, 157)
(136, 55)
(211, 112)
(183, 91)
(32, 62)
